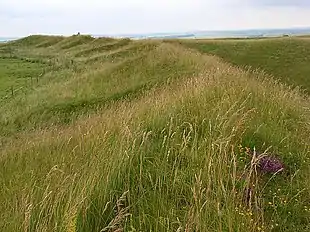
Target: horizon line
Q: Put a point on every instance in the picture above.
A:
(165, 33)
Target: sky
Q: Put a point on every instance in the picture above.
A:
(113, 17)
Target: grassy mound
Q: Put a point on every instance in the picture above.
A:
(103, 47)
(32, 40)
(50, 41)
(75, 40)
(161, 139)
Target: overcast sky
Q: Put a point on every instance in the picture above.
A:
(24, 17)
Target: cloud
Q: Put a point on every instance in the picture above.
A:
(21, 18)
(291, 3)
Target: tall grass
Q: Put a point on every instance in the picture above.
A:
(171, 157)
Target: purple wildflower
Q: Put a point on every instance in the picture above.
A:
(270, 164)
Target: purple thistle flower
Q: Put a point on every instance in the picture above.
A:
(267, 163)
(270, 164)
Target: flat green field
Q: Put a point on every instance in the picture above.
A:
(16, 74)
(150, 135)
(286, 59)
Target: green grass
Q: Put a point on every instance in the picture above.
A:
(286, 59)
(17, 74)
(148, 136)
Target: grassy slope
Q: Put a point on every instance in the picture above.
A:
(286, 59)
(148, 136)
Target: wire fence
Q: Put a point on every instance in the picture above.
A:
(52, 64)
